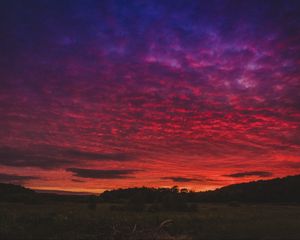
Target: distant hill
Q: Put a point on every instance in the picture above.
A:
(17, 193)
(7, 188)
(285, 190)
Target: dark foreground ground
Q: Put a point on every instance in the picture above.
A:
(211, 221)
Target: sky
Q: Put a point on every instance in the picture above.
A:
(96, 95)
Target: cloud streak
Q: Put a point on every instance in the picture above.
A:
(99, 156)
(17, 179)
(27, 158)
(102, 174)
(48, 157)
(183, 179)
(250, 174)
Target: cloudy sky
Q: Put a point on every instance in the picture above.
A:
(97, 95)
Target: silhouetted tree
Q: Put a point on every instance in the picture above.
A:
(275, 190)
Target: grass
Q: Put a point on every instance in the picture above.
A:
(75, 221)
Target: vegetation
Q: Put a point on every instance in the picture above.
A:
(258, 210)
(76, 221)
(149, 199)
(279, 190)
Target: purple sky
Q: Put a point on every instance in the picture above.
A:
(97, 95)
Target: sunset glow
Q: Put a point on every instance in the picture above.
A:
(96, 95)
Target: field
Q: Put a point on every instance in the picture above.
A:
(211, 221)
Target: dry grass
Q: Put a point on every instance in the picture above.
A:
(74, 221)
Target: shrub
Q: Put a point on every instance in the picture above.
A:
(92, 203)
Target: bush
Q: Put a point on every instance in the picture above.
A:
(153, 207)
(136, 203)
(174, 202)
(92, 203)
(193, 207)
(116, 208)
(234, 204)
